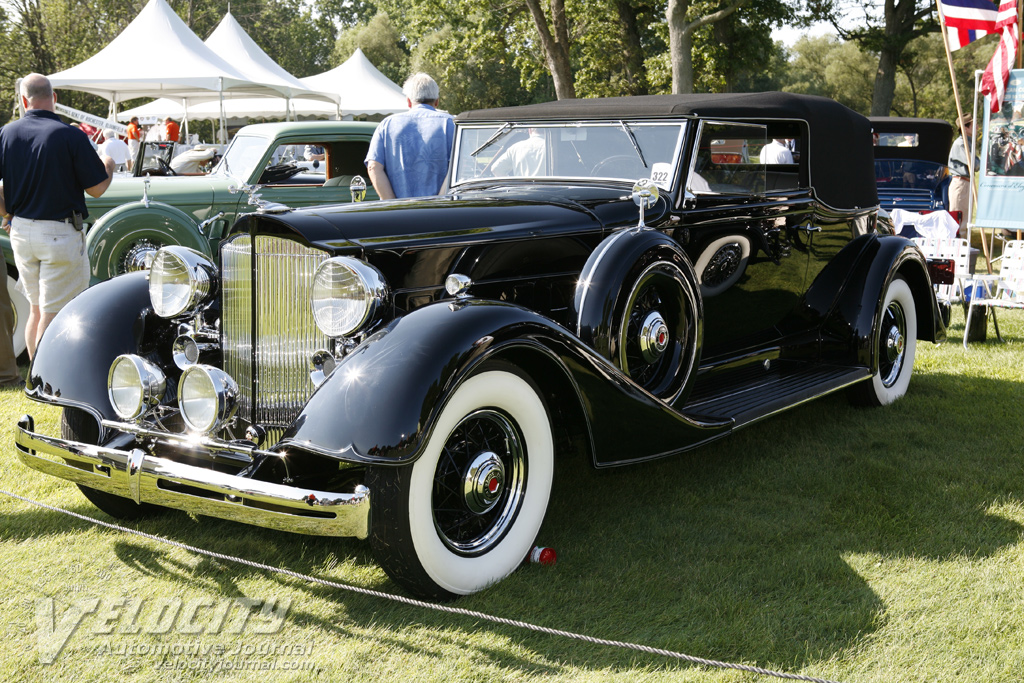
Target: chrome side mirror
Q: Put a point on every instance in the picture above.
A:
(645, 195)
(358, 188)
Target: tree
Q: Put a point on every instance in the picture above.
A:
(380, 42)
(554, 38)
(684, 18)
(887, 30)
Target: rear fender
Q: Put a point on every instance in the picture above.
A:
(74, 356)
(380, 404)
(859, 305)
(135, 227)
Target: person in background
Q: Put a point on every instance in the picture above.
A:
(114, 147)
(45, 166)
(134, 140)
(409, 152)
(314, 153)
(172, 132)
(776, 152)
(960, 172)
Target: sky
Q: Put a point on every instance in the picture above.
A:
(790, 35)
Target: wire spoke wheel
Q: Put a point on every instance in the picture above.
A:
(479, 482)
(467, 511)
(658, 334)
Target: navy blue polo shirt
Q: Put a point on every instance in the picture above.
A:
(45, 165)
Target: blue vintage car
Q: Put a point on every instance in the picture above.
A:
(910, 162)
(599, 277)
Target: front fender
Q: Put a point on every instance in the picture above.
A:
(70, 365)
(380, 404)
(139, 223)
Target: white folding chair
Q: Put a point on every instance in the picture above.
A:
(955, 249)
(1004, 289)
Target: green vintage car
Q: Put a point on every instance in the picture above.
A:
(138, 215)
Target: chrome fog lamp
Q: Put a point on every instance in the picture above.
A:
(348, 294)
(134, 385)
(179, 280)
(207, 397)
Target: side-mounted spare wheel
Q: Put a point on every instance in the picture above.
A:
(125, 239)
(466, 513)
(77, 425)
(19, 304)
(638, 305)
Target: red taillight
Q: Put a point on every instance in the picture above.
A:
(942, 271)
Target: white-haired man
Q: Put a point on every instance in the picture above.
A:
(115, 148)
(46, 165)
(409, 152)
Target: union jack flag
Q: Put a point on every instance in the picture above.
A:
(997, 73)
(968, 20)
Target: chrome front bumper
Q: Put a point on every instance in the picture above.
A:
(147, 479)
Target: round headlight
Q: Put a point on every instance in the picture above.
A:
(207, 398)
(348, 295)
(134, 385)
(179, 280)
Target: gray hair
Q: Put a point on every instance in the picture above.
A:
(420, 88)
(36, 86)
(108, 133)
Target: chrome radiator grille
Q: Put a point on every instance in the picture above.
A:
(267, 325)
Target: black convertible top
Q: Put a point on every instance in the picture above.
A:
(840, 150)
(934, 138)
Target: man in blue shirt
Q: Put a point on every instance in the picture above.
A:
(409, 152)
(45, 166)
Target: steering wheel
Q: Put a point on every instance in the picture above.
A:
(165, 167)
(631, 165)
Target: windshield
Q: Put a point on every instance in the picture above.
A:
(902, 174)
(241, 157)
(615, 150)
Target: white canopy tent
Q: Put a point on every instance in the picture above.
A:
(360, 86)
(157, 55)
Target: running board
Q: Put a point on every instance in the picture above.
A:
(755, 393)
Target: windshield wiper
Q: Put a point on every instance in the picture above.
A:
(497, 134)
(632, 138)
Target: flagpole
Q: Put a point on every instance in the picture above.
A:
(952, 74)
(960, 123)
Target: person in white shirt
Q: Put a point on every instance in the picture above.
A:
(523, 159)
(776, 152)
(114, 147)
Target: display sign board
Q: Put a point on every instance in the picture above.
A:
(1001, 179)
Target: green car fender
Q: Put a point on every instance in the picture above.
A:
(120, 241)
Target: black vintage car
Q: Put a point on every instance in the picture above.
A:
(616, 277)
(910, 162)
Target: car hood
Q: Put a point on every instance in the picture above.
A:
(465, 217)
(170, 189)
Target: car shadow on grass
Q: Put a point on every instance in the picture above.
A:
(738, 551)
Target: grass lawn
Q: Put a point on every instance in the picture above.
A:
(858, 545)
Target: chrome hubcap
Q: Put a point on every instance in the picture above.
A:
(483, 482)
(894, 344)
(654, 337)
(138, 257)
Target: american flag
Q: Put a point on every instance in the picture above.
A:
(968, 20)
(997, 73)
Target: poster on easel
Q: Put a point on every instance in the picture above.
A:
(1001, 180)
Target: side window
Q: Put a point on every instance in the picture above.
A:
(727, 159)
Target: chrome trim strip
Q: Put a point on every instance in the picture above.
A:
(216, 494)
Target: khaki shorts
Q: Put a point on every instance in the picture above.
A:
(53, 266)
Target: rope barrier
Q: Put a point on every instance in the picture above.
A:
(428, 605)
